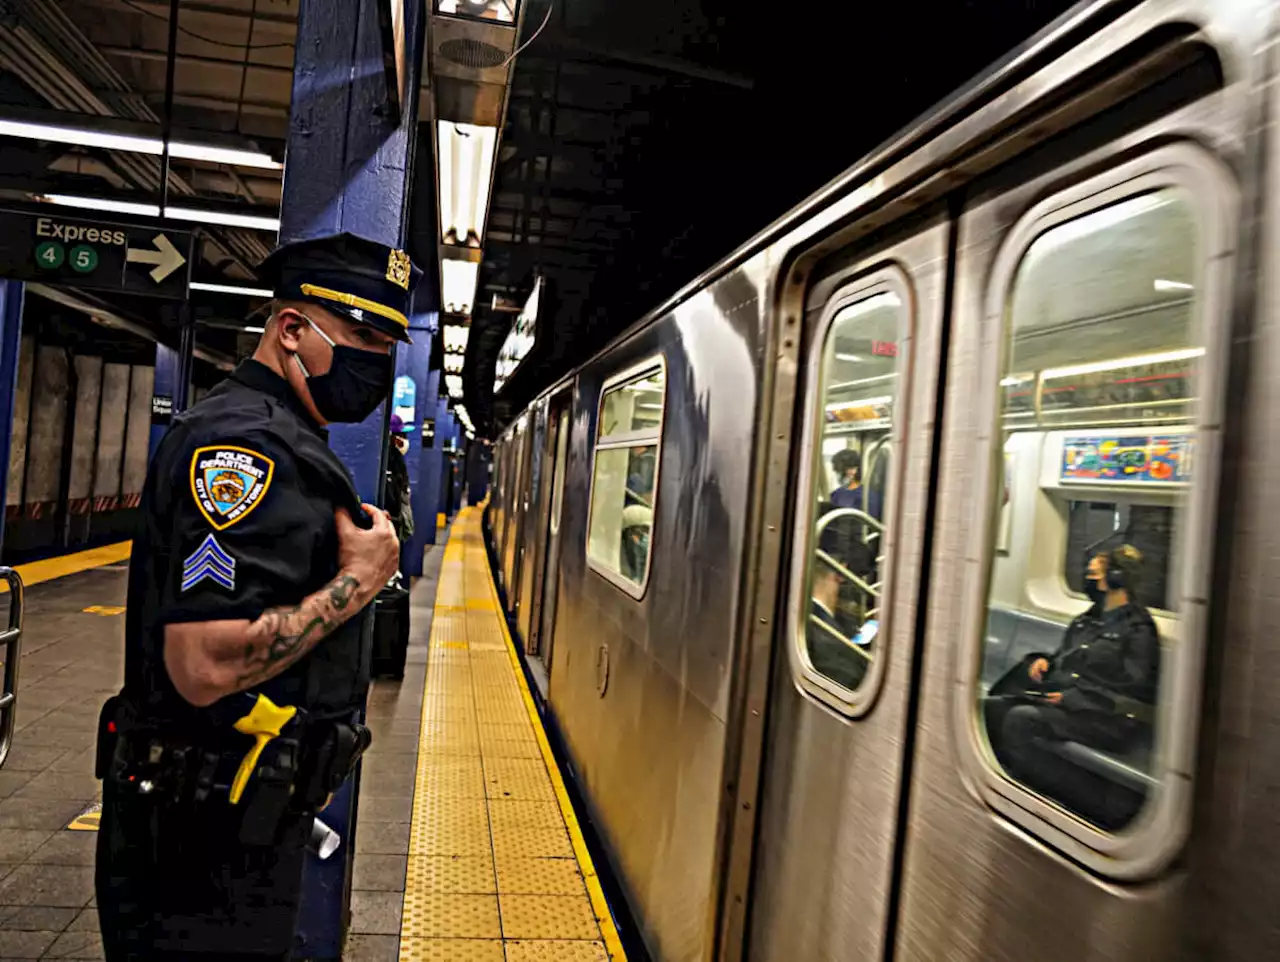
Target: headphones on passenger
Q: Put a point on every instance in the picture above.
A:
(1119, 560)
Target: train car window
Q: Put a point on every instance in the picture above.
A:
(624, 480)
(1148, 527)
(839, 619)
(1099, 403)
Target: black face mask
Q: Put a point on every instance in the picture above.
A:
(355, 384)
(1096, 592)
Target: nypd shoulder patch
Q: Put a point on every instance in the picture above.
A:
(209, 561)
(228, 482)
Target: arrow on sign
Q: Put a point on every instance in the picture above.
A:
(165, 257)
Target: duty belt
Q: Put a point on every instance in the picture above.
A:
(294, 763)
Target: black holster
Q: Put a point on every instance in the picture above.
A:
(331, 751)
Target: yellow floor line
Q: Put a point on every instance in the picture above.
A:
(71, 564)
(608, 930)
(491, 817)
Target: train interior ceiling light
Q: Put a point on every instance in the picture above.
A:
(520, 340)
(496, 11)
(466, 173)
(458, 282)
(85, 137)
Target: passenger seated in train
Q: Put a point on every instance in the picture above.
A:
(847, 465)
(637, 522)
(1097, 690)
(839, 644)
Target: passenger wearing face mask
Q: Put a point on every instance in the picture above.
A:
(1098, 690)
(254, 558)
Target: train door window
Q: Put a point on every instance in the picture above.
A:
(624, 479)
(1095, 601)
(842, 540)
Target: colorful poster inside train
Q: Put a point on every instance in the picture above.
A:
(1155, 459)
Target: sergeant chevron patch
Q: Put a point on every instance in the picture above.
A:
(211, 561)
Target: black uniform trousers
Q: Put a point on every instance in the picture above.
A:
(176, 882)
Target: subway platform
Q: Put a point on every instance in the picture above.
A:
(466, 850)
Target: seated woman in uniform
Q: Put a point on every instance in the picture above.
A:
(834, 636)
(1098, 690)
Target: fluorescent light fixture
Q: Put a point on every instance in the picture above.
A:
(232, 289)
(79, 136)
(84, 137)
(223, 155)
(455, 338)
(102, 204)
(453, 384)
(466, 168)
(1141, 360)
(224, 218)
(501, 11)
(1015, 379)
(848, 357)
(458, 279)
(453, 363)
(255, 330)
(1162, 285)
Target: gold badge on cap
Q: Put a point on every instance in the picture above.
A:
(398, 269)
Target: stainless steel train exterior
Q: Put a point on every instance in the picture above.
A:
(1045, 311)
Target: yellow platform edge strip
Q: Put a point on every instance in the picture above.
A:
(608, 929)
(49, 569)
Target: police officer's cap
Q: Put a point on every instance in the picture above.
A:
(362, 280)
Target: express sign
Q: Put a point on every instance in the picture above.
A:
(36, 246)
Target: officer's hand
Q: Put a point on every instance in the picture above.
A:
(371, 556)
(1054, 698)
(1038, 668)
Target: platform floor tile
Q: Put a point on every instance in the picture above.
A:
(496, 868)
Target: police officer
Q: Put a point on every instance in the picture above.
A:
(243, 662)
(1098, 689)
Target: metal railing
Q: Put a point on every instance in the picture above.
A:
(11, 639)
(876, 528)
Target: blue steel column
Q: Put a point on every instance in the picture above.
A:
(412, 361)
(12, 294)
(426, 497)
(347, 169)
(169, 376)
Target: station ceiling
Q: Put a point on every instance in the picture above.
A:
(643, 141)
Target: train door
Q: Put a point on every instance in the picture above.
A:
(833, 753)
(534, 534)
(551, 580)
(515, 501)
(553, 451)
(1055, 754)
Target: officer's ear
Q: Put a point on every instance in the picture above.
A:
(288, 324)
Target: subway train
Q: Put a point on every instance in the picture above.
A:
(984, 422)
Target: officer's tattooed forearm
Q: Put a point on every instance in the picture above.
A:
(281, 636)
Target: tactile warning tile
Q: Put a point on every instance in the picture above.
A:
(511, 749)
(556, 950)
(467, 875)
(548, 917)
(539, 876)
(531, 843)
(450, 832)
(450, 950)
(444, 915)
(506, 733)
(517, 813)
(517, 778)
(495, 708)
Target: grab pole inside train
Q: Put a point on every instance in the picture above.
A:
(348, 168)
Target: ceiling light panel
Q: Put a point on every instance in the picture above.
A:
(458, 283)
(466, 171)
